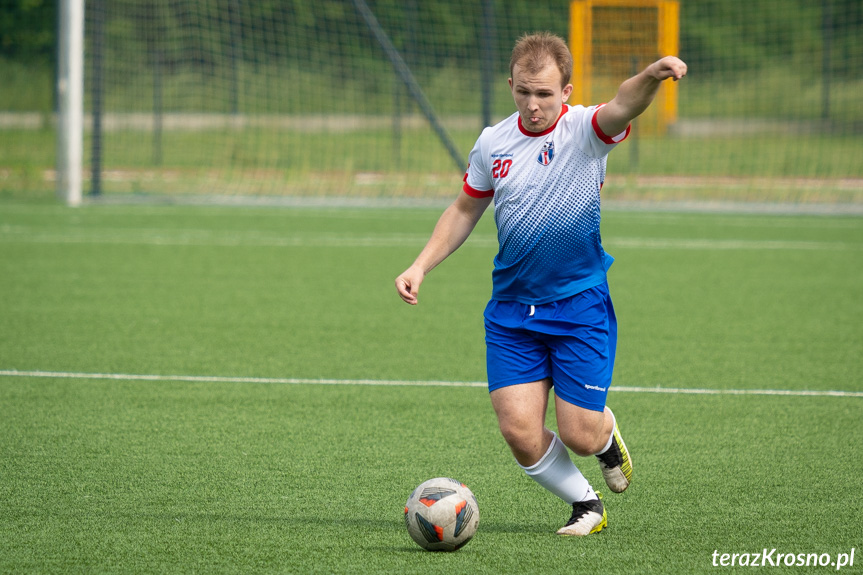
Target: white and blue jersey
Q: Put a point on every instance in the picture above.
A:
(546, 193)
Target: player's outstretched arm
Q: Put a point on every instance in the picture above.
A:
(636, 94)
(452, 229)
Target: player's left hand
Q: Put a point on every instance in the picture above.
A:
(668, 67)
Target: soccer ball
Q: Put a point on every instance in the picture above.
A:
(442, 514)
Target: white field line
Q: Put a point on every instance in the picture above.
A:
(410, 383)
(705, 244)
(191, 237)
(202, 237)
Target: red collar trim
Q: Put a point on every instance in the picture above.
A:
(548, 130)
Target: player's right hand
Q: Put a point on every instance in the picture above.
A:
(408, 284)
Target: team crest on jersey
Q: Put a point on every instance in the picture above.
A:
(547, 154)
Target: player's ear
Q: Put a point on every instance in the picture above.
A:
(567, 92)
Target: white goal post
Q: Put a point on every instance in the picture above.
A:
(70, 95)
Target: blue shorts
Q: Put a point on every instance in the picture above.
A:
(572, 341)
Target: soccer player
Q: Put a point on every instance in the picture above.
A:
(550, 323)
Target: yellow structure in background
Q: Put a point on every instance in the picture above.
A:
(611, 40)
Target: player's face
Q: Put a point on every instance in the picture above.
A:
(538, 97)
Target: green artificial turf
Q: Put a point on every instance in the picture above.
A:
(167, 475)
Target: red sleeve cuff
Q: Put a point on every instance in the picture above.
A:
(477, 193)
(610, 140)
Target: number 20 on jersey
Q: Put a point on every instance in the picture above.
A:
(500, 168)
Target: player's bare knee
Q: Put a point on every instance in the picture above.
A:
(526, 443)
(516, 436)
(581, 443)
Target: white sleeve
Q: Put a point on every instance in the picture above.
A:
(591, 138)
(477, 180)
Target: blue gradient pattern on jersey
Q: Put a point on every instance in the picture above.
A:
(548, 219)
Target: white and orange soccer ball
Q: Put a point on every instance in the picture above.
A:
(442, 514)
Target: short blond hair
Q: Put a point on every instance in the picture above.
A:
(534, 51)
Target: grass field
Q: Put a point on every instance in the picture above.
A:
(804, 168)
(240, 390)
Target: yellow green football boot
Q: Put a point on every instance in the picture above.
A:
(616, 464)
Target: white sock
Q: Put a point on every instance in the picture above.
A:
(610, 437)
(556, 472)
